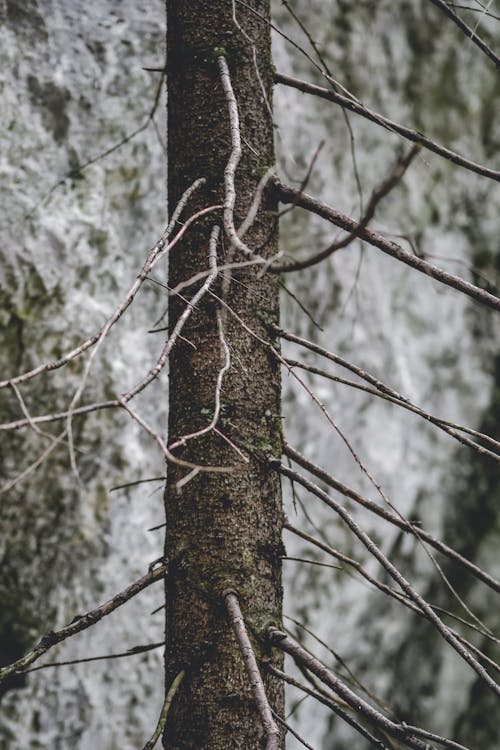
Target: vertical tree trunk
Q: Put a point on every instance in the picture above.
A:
(223, 530)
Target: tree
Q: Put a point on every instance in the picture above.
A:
(223, 548)
(223, 528)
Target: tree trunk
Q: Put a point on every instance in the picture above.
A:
(223, 530)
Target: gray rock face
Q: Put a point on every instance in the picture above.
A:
(428, 342)
(72, 242)
(72, 239)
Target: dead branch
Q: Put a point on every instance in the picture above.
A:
(238, 624)
(331, 703)
(82, 622)
(160, 727)
(465, 29)
(406, 735)
(377, 195)
(154, 255)
(391, 517)
(395, 574)
(441, 424)
(288, 194)
(135, 650)
(407, 133)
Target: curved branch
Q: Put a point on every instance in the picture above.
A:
(315, 206)
(377, 195)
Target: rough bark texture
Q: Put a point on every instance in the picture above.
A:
(223, 530)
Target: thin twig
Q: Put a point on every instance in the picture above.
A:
(401, 731)
(233, 161)
(179, 325)
(154, 255)
(407, 527)
(444, 425)
(287, 726)
(465, 29)
(330, 703)
(76, 171)
(391, 569)
(58, 416)
(225, 356)
(168, 455)
(123, 654)
(386, 589)
(41, 458)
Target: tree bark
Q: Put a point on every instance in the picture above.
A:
(223, 530)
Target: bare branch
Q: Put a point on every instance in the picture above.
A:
(395, 574)
(76, 171)
(170, 456)
(390, 393)
(36, 463)
(401, 523)
(377, 195)
(449, 427)
(164, 712)
(288, 194)
(82, 622)
(406, 735)
(154, 255)
(179, 325)
(410, 135)
(292, 731)
(122, 655)
(58, 416)
(465, 29)
(330, 703)
(238, 624)
(356, 565)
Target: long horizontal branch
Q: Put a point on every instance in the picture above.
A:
(411, 135)
(290, 195)
(82, 622)
(392, 518)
